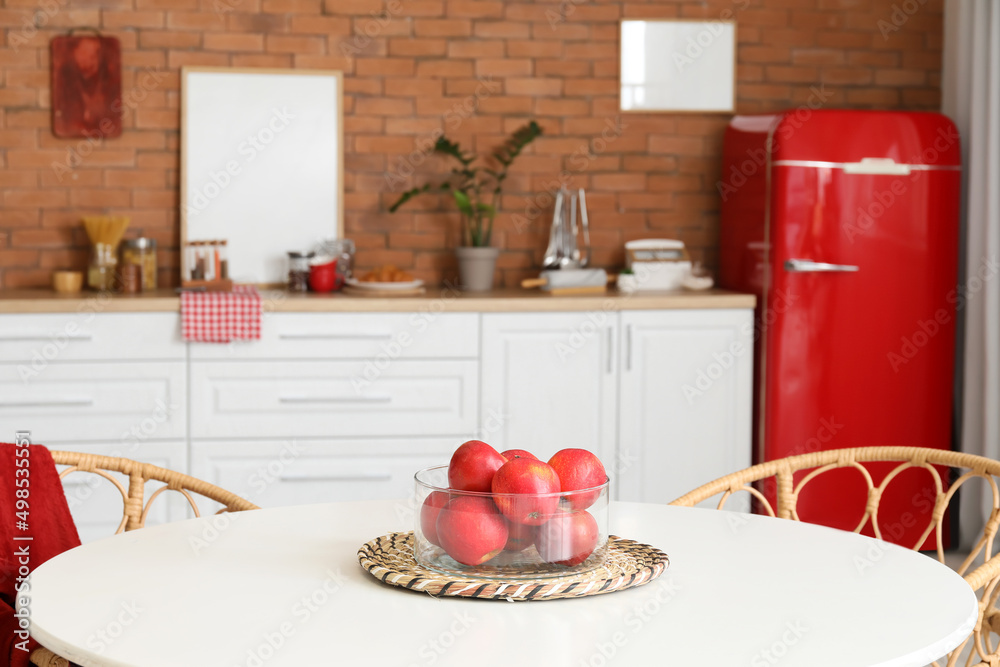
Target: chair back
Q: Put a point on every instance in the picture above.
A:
(786, 478)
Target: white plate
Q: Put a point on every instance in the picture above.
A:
(385, 287)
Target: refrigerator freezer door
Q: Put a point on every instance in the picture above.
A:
(861, 357)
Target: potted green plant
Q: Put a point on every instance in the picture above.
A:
(476, 191)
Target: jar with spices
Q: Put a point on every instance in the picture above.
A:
(131, 278)
(298, 270)
(142, 253)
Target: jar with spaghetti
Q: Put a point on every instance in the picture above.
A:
(142, 253)
(103, 265)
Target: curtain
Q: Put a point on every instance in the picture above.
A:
(971, 97)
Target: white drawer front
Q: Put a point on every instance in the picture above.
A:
(96, 504)
(378, 337)
(273, 474)
(118, 403)
(333, 398)
(35, 341)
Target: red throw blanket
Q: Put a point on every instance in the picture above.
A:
(43, 516)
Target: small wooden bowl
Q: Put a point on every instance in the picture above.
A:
(67, 282)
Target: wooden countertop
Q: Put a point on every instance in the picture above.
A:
(436, 298)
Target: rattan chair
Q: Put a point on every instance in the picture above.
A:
(135, 505)
(981, 569)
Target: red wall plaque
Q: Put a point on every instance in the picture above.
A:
(86, 86)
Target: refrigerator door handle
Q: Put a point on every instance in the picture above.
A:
(809, 266)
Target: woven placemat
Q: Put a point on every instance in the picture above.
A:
(389, 559)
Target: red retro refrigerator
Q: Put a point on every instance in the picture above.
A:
(845, 224)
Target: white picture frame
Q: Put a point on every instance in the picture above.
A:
(678, 65)
(261, 165)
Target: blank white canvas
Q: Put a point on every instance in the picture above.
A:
(678, 65)
(261, 165)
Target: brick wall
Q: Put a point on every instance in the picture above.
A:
(479, 68)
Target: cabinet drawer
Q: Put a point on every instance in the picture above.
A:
(273, 474)
(96, 504)
(121, 403)
(320, 399)
(378, 337)
(35, 341)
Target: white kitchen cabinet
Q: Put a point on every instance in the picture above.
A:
(614, 383)
(37, 340)
(378, 338)
(333, 398)
(96, 401)
(549, 381)
(370, 397)
(685, 400)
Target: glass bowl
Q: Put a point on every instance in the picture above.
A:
(471, 534)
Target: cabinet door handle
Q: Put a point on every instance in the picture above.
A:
(611, 350)
(334, 399)
(54, 403)
(360, 477)
(41, 337)
(374, 335)
(628, 347)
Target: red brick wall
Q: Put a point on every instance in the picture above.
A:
(478, 68)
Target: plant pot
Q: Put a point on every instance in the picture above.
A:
(476, 267)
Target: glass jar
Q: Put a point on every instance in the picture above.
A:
(142, 253)
(298, 270)
(223, 249)
(340, 251)
(103, 263)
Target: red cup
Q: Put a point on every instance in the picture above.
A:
(323, 277)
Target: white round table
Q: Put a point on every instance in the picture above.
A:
(283, 587)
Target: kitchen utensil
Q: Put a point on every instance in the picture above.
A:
(323, 274)
(570, 281)
(67, 282)
(341, 251)
(564, 251)
(554, 251)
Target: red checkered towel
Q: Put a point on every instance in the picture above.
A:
(221, 317)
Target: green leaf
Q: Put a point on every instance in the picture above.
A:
(463, 202)
(486, 208)
(408, 195)
(448, 147)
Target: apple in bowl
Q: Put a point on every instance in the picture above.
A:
(510, 516)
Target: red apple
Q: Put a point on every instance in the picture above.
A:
(473, 465)
(519, 536)
(579, 469)
(568, 538)
(516, 488)
(471, 530)
(518, 454)
(429, 512)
